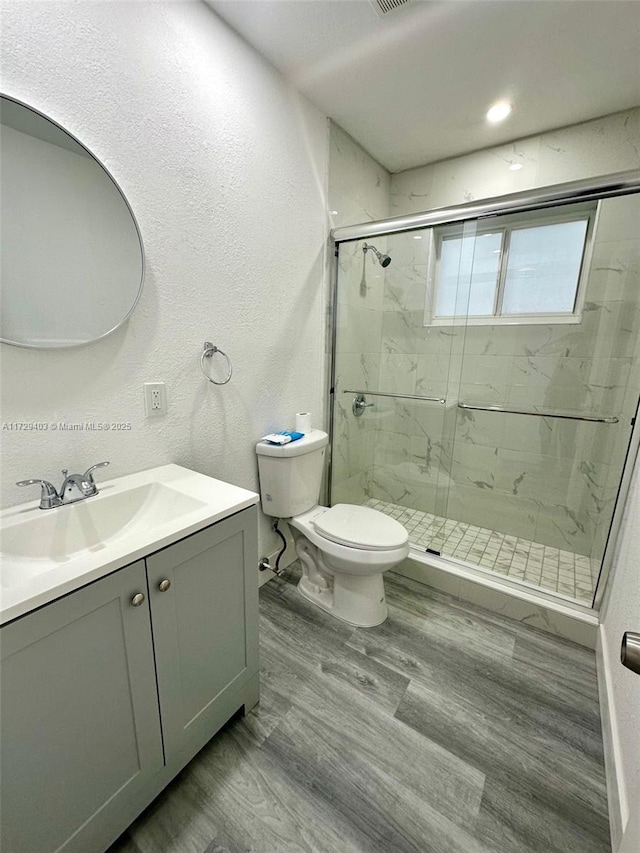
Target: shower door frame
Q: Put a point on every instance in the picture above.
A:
(592, 189)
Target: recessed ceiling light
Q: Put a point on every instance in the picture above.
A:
(498, 112)
(417, 237)
(515, 166)
(334, 212)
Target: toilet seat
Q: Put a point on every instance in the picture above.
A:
(352, 558)
(360, 527)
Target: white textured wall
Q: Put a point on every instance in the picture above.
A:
(224, 166)
(621, 612)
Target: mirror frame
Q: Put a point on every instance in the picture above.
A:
(131, 213)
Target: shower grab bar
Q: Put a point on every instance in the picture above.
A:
(401, 396)
(516, 411)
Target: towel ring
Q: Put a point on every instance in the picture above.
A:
(208, 352)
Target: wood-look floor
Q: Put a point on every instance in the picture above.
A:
(448, 729)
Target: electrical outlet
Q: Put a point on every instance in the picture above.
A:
(155, 399)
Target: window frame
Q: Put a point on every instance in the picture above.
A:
(507, 223)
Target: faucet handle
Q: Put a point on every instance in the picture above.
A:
(88, 475)
(46, 485)
(49, 497)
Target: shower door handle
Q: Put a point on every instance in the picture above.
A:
(630, 651)
(359, 405)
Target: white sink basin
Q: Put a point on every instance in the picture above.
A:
(41, 543)
(47, 553)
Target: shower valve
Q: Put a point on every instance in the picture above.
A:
(359, 405)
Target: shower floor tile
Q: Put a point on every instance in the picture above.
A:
(569, 574)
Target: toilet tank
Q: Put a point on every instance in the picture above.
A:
(291, 474)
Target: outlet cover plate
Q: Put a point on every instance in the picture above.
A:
(155, 399)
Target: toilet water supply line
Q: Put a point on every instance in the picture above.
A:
(264, 565)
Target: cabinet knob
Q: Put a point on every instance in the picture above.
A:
(164, 585)
(137, 599)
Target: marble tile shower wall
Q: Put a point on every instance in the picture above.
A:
(359, 318)
(599, 147)
(359, 187)
(546, 480)
(359, 191)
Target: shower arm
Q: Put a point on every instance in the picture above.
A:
(383, 260)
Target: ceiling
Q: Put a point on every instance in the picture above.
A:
(414, 86)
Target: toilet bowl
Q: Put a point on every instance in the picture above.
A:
(345, 549)
(343, 577)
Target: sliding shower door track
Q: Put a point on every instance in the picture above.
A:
(592, 189)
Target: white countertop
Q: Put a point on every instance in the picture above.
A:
(35, 571)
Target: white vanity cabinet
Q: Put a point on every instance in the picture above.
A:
(108, 692)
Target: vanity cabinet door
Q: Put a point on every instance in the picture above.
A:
(79, 723)
(205, 629)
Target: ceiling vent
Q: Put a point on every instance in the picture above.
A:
(385, 7)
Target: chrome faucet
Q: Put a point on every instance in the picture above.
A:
(76, 487)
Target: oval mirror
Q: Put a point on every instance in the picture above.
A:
(72, 255)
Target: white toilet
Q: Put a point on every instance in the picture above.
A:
(343, 550)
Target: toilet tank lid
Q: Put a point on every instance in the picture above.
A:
(313, 440)
(361, 526)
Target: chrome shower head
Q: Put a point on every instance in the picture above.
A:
(383, 260)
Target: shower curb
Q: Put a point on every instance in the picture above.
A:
(572, 622)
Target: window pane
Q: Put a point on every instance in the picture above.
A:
(543, 268)
(447, 287)
(468, 277)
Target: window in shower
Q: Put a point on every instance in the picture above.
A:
(531, 269)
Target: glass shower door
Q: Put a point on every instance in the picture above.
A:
(545, 404)
(390, 419)
(485, 385)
